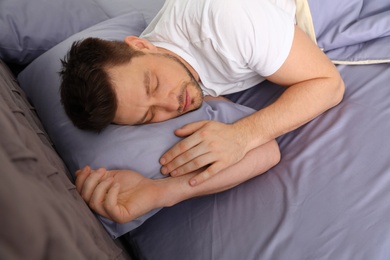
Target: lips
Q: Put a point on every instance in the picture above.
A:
(187, 102)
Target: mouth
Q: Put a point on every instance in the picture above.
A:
(187, 102)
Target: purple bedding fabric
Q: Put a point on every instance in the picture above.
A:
(353, 30)
(339, 23)
(326, 199)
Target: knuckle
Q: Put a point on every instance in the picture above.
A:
(187, 156)
(213, 170)
(203, 133)
(187, 168)
(172, 165)
(197, 163)
(213, 144)
(182, 146)
(178, 172)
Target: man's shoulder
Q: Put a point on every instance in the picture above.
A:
(239, 9)
(224, 5)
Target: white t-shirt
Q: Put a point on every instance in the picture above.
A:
(232, 44)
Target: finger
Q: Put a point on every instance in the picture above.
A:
(194, 164)
(111, 203)
(185, 144)
(175, 167)
(179, 148)
(205, 175)
(99, 195)
(81, 176)
(190, 128)
(85, 168)
(90, 183)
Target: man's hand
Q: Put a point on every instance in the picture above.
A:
(210, 143)
(120, 195)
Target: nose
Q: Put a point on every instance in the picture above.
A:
(168, 103)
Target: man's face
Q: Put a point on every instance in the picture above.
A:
(153, 88)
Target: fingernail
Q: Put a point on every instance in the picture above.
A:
(174, 173)
(162, 160)
(164, 170)
(193, 182)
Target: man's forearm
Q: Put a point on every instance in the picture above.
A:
(298, 105)
(313, 86)
(256, 162)
(124, 195)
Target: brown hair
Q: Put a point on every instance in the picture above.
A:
(87, 94)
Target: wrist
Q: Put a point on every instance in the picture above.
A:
(248, 135)
(173, 190)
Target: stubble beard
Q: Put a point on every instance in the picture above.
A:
(192, 83)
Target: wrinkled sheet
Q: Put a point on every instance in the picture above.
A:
(326, 199)
(356, 31)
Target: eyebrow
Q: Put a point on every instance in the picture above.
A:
(147, 82)
(147, 89)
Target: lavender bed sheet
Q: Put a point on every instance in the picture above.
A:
(353, 31)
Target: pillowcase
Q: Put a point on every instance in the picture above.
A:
(117, 147)
(29, 28)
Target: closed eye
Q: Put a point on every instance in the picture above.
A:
(157, 84)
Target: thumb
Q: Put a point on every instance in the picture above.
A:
(189, 129)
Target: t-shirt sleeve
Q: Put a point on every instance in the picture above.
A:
(258, 34)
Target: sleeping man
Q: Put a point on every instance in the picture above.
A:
(193, 50)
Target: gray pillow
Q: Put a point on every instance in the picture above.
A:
(29, 28)
(117, 147)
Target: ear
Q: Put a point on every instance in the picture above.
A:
(140, 43)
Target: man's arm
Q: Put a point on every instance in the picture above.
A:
(313, 86)
(123, 195)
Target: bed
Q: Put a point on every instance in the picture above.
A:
(328, 198)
